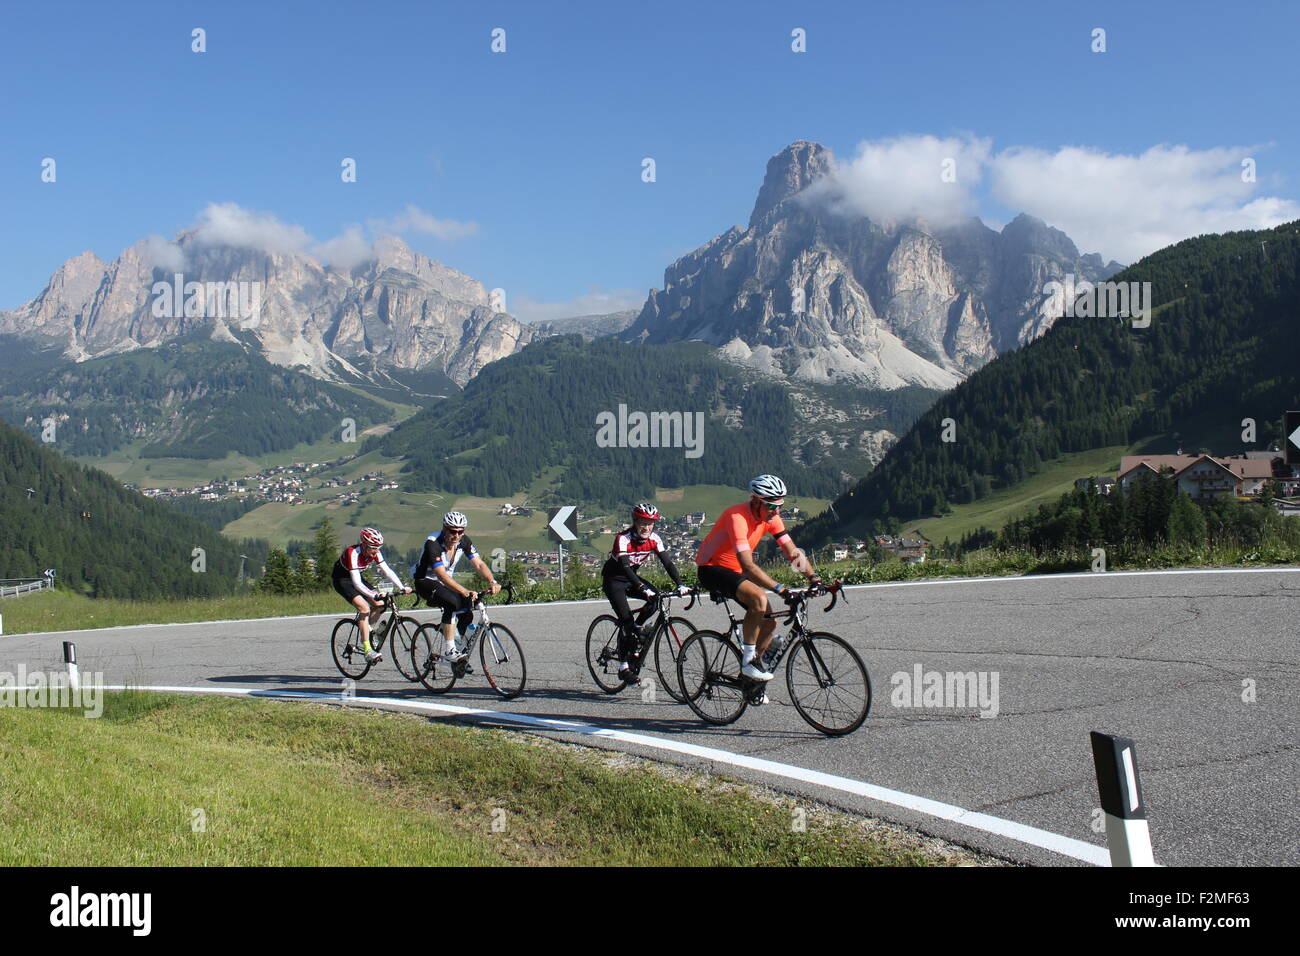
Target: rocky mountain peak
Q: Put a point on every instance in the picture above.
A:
(1027, 233)
(807, 293)
(789, 172)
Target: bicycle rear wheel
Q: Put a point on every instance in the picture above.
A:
(708, 673)
(828, 684)
(401, 642)
(503, 662)
(345, 644)
(602, 653)
(669, 641)
(430, 669)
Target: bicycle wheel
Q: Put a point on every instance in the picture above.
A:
(435, 674)
(708, 673)
(503, 661)
(401, 643)
(602, 653)
(349, 656)
(828, 684)
(668, 648)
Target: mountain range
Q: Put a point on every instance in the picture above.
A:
(863, 322)
(808, 293)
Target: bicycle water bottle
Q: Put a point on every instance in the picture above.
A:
(773, 649)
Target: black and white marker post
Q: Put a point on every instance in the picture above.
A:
(70, 658)
(1120, 788)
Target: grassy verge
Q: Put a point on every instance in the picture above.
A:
(66, 611)
(291, 784)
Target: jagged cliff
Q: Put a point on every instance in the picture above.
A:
(399, 309)
(810, 294)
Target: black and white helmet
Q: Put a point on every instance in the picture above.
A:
(767, 487)
(455, 520)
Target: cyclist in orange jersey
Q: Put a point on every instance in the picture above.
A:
(726, 565)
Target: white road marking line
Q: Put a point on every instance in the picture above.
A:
(1022, 833)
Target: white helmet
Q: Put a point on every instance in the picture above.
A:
(767, 487)
(454, 519)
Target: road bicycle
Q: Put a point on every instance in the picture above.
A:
(500, 654)
(666, 634)
(827, 681)
(345, 640)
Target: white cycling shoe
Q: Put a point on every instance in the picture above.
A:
(374, 657)
(754, 672)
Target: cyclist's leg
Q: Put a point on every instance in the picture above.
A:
(616, 587)
(346, 590)
(453, 605)
(756, 627)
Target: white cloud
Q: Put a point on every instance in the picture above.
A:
(229, 224)
(1127, 206)
(1124, 206)
(905, 178)
(350, 248)
(596, 301)
(415, 219)
(164, 254)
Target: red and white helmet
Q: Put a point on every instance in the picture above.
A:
(646, 510)
(372, 538)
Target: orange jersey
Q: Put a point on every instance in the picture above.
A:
(736, 530)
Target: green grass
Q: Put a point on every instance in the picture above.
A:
(65, 611)
(286, 784)
(1008, 503)
(407, 518)
(125, 466)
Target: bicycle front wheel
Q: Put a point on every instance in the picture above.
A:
(503, 661)
(602, 653)
(349, 655)
(401, 645)
(708, 673)
(670, 640)
(429, 668)
(828, 684)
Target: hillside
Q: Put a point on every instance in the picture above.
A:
(188, 398)
(540, 408)
(102, 539)
(1220, 348)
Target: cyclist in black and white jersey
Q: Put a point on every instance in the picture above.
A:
(355, 559)
(619, 578)
(434, 581)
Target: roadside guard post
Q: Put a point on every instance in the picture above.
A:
(1120, 788)
(70, 658)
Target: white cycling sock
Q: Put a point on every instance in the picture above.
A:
(747, 654)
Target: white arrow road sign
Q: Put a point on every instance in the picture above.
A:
(560, 522)
(1295, 437)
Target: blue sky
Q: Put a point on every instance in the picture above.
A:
(523, 168)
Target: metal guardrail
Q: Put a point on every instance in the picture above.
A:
(12, 587)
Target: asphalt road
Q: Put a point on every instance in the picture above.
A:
(1200, 669)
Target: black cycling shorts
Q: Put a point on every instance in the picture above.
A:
(437, 594)
(725, 581)
(347, 590)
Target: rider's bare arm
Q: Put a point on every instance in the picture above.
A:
(753, 572)
(798, 560)
(478, 565)
(451, 582)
